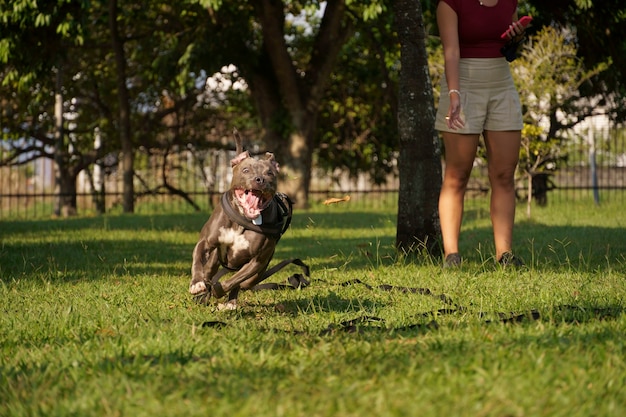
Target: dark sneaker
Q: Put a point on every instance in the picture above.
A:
(452, 261)
(508, 259)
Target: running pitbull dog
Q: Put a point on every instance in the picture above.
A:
(242, 232)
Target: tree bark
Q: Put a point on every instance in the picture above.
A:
(117, 44)
(420, 154)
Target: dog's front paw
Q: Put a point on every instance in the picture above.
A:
(227, 306)
(197, 288)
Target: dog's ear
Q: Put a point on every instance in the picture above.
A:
(240, 157)
(270, 157)
(238, 141)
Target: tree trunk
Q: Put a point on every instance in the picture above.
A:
(64, 182)
(67, 194)
(297, 175)
(420, 155)
(117, 44)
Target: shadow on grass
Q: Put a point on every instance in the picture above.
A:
(582, 313)
(362, 310)
(577, 338)
(342, 240)
(547, 247)
(131, 222)
(362, 322)
(91, 260)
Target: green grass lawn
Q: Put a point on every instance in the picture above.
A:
(96, 320)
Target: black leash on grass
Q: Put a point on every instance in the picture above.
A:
(361, 323)
(294, 282)
(452, 306)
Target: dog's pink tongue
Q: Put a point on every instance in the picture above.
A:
(250, 203)
(252, 206)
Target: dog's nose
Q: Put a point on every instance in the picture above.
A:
(258, 180)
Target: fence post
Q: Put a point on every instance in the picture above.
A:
(593, 166)
(58, 141)
(98, 175)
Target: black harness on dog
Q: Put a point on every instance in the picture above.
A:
(276, 217)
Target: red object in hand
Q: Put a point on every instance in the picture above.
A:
(524, 21)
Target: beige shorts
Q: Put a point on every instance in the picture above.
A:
(489, 99)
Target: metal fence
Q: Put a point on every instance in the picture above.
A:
(593, 173)
(178, 184)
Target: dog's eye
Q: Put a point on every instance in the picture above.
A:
(245, 170)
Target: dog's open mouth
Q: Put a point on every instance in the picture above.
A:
(252, 202)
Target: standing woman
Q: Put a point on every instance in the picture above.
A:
(478, 97)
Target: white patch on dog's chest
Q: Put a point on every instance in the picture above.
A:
(234, 239)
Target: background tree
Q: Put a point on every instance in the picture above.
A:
(152, 49)
(118, 39)
(550, 76)
(33, 117)
(286, 66)
(357, 132)
(597, 29)
(287, 75)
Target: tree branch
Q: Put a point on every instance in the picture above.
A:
(271, 15)
(331, 37)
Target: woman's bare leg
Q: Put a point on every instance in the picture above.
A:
(460, 151)
(502, 157)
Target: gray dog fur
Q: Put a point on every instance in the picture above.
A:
(224, 242)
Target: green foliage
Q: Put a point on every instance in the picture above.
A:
(215, 4)
(357, 131)
(370, 9)
(96, 320)
(52, 28)
(596, 28)
(537, 154)
(549, 75)
(584, 4)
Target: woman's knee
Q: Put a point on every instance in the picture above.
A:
(501, 173)
(458, 183)
(503, 179)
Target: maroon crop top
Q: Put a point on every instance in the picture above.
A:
(480, 27)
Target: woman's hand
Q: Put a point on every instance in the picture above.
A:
(455, 118)
(516, 29)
